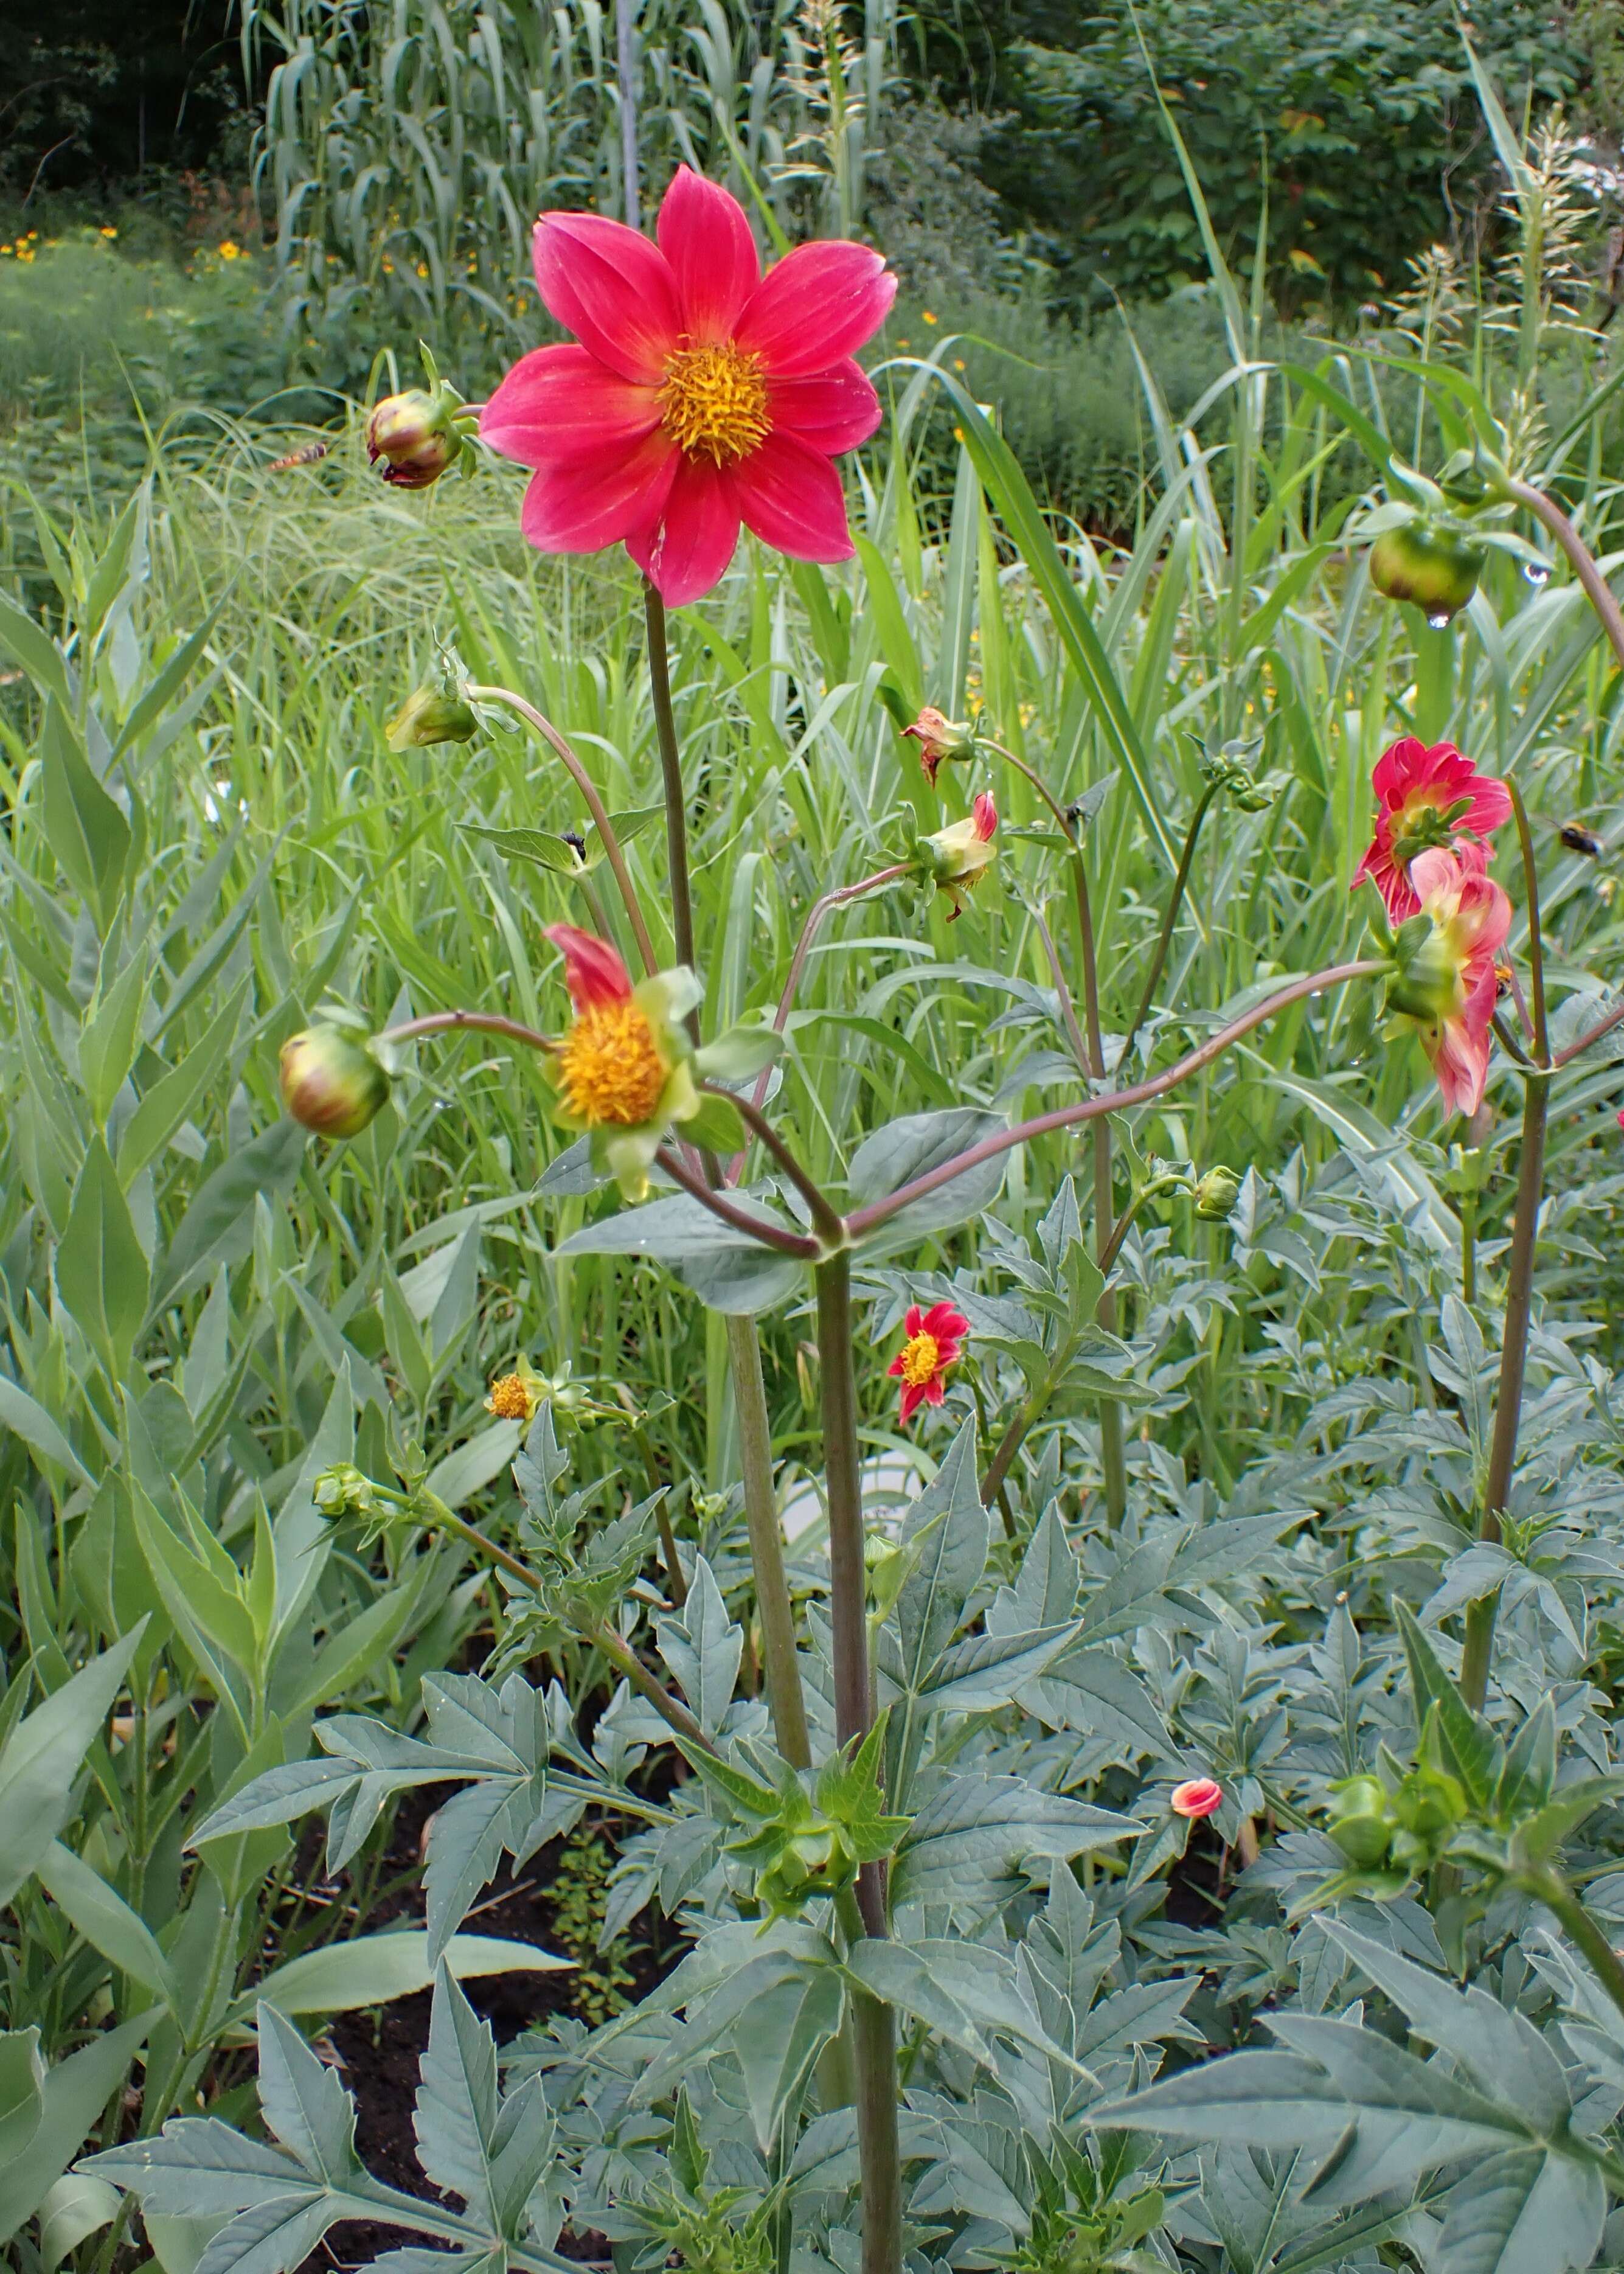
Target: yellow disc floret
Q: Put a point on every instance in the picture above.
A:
(510, 1399)
(610, 1067)
(713, 404)
(922, 1354)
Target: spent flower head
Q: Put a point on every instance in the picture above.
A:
(1446, 980)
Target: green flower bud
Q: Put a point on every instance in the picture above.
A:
(1215, 1194)
(330, 1083)
(417, 435)
(1363, 1839)
(428, 717)
(341, 1491)
(1435, 569)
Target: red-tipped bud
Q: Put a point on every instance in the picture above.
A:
(593, 971)
(330, 1083)
(1197, 1797)
(416, 434)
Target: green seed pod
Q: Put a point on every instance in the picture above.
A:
(428, 717)
(1433, 567)
(330, 1084)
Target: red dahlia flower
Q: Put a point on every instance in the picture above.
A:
(702, 393)
(1426, 797)
(1448, 984)
(1199, 1796)
(936, 1341)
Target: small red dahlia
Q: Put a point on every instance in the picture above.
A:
(936, 1341)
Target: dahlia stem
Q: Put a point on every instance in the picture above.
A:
(594, 805)
(874, 2025)
(1113, 1453)
(480, 1022)
(728, 1212)
(786, 1700)
(1597, 588)
(865, 1220)
(1595, 1035)
(1548, 1886)
(825, 1218)
(1480, 1615)
(671, 772)
(1164, 937)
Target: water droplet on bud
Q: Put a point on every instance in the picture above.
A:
(1439, 621)
(1537, 573)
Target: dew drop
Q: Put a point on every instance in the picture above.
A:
(1536, 572)
(1439, 621)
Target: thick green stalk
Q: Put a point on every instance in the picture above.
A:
(1113, 1452)
(760, 1507)
(879, 2147)
(1549, 1887)
(785, 1699)
(1480, 1615)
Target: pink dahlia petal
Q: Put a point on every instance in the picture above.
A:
(686, 548)
(1490, 805)
(941, 1319)
(820, 303)
(611, 288)
(1434, 875)
(914, 1322)
(935, 1389)
(913, 1398)
(598, 497)
(1398, 770)
(790, 496)
(833, 411)
(556, 401)
(593, 970)
(705, 237)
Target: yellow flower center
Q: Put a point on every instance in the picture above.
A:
(610, 1065)
(509, 1399)
(713, 404)
(921, 1355)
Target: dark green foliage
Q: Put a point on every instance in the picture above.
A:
(1360, 117)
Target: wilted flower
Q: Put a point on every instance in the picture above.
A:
(939, 740)
(1434, 568)
(1216, 1192)
(1426, 797)
(955, 856)
(331, 1083)
(936, 1340)
(1197, 1797)
(1446, 980)
(417, 436)
(700, 392)
(428, 717)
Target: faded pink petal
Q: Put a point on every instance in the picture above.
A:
(598, 497)
(557, 401)
(816, 306)
(790, 496)
(593, 971)
(705, 237)
(686, 548)
(833, 411)
(611, 288)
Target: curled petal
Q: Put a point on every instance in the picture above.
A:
(611, 288)
(593, 971)
(685, 549)
(985, 815)
(557, 401)
(705, 237)
(832, 410)
(941, 1320)
(817, 304)
(598, 497)
(790, 495)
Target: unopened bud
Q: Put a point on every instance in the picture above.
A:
(1435, 569)
(430, 716)
(331, 1084)
(1197, 1797)
(341, 1491)
(417, 435)
(1216, 1192)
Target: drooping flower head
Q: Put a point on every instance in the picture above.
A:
(936, 1340)
(939, 739)
(956, 857)
(1426, 797)
(700, 392)
(1197, 1797)
(1447, 982)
